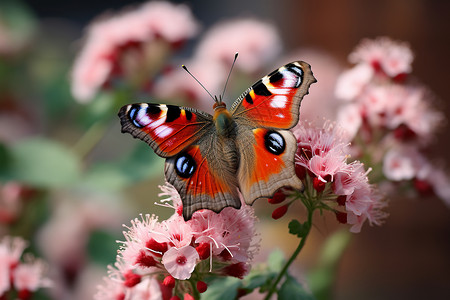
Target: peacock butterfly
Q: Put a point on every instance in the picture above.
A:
(248, 148)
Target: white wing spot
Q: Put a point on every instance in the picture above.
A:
(278, 101)
(163, 131)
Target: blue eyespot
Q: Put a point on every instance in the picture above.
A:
(274, 142)
(185, 165)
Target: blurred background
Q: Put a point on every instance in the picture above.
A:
(75, 226)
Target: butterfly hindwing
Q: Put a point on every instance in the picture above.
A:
(204, 176)
(274, 100)
(269, 163)
(168, 129)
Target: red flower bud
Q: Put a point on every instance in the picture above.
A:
(318, 184)
(131, 279)
(201, 287)
(341, 217)
(278, 197)
(279, 212)
(169, 282)
(341, 200)
(203, 250)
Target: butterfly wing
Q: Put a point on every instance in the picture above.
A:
(274, 101)
(266, 148)
(168, 129)
(205, 175)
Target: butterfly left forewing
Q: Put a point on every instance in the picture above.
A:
(168, 129)
(274, 100)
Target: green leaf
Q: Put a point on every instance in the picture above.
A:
(141, 164)
(298, 229)
(258, 279)
(223, 289)
(322, 277)
(291, 289)
(102, 247)
(276, 261)
(43, 163)
(5, 158)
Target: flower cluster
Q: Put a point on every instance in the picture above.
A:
(331, 182)
(389, 118)
(173, 257)
(131, 45)
(22, 278)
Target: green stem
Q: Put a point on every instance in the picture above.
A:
(273, 288)
(90, 139)
(195, 292)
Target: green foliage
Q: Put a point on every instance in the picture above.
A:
(102, 247)
(43, 163)
(322, 277)
(299, 229)
(223, 288)
(141, 164)
(291, 289)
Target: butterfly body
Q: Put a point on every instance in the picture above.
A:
(247, 148)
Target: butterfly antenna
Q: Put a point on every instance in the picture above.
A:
(186, 69)
(231, 69)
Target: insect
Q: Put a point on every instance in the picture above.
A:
(247, 148)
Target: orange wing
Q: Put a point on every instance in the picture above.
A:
(202, 181)
(274, 101)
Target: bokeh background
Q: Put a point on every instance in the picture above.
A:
(407, 258)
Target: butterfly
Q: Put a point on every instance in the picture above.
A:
(210, 158)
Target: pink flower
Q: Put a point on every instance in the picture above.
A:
(180, 262)
(174, 249)
(121, 43)
(256, 42)
(139, 250)
(11, 249)
(349, 119)
(5, 281)
(352, 82)
(174, 231)
(29, 276)
(329, 178)
(383, 54)
(402, 163)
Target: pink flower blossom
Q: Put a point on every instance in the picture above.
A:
(29, 276)
(243, 36)
(352, 82)
(323, 154)
(402, 163)
(180, 262)
(231, 231)
(26, 277)
(383, 54)
(350, 119)
(174, 249)
(110, 39)
(140, 251)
